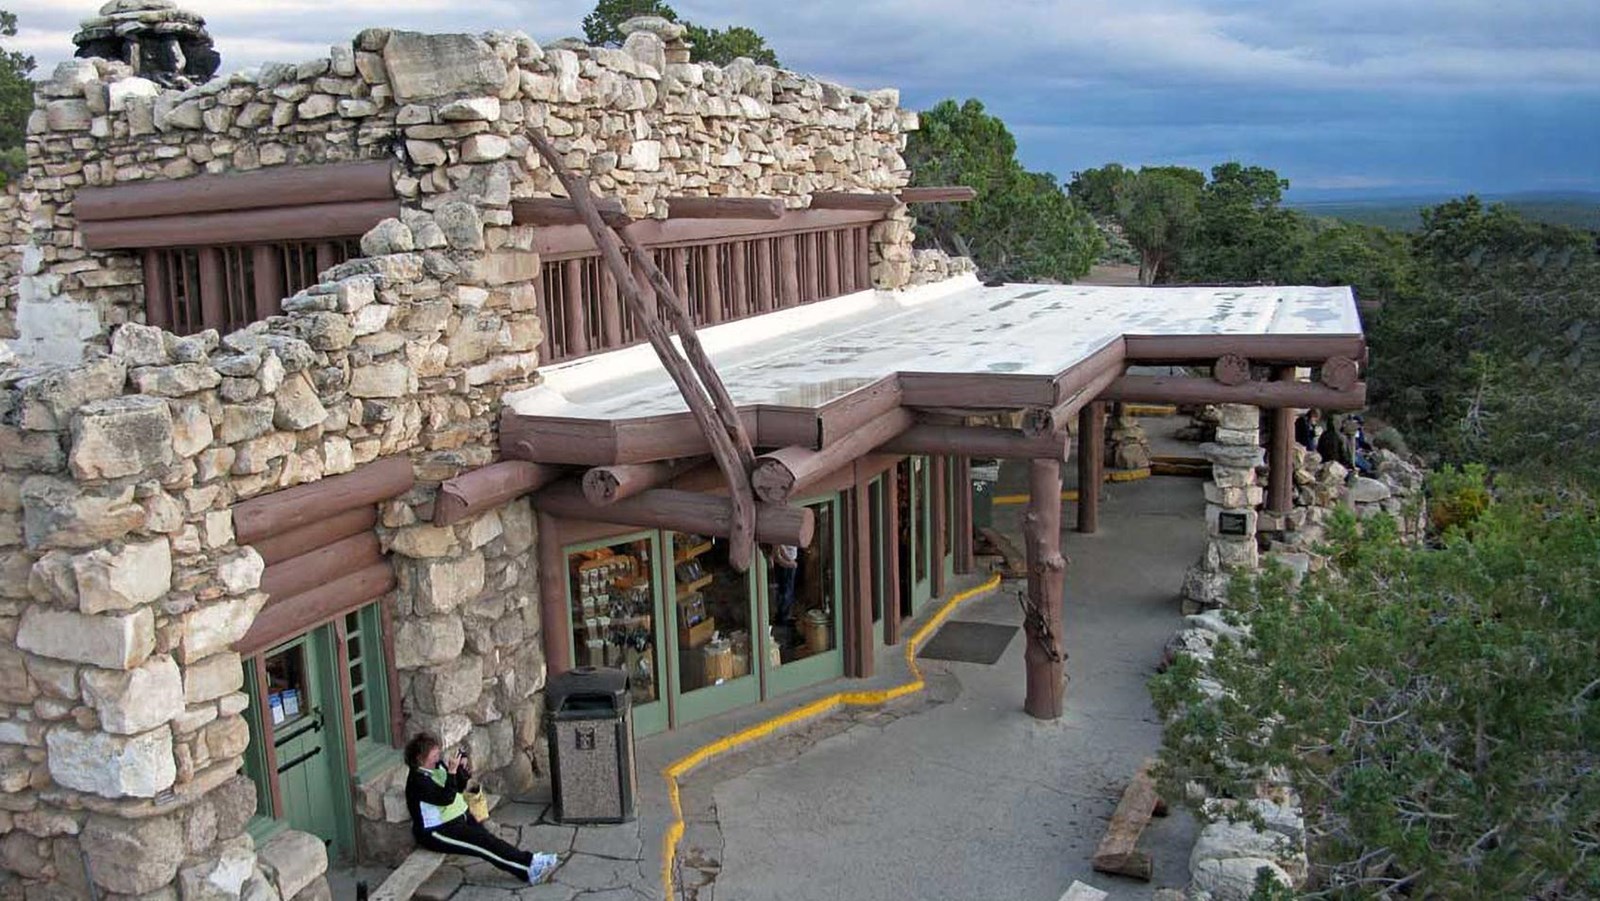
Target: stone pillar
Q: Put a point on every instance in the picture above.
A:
(1232, 496)
(1127, 445)
(891, 254)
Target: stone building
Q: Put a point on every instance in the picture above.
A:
(290, 348)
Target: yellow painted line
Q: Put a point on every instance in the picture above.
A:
(1128, 475)
(822, 706)
(1149, 409)
(1011, 500)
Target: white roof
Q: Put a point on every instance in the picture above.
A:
(806, 356)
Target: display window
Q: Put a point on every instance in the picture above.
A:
(713, 613)
(611, 589)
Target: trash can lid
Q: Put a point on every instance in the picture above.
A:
(588, 684)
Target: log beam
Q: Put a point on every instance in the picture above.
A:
(1162, 389)
(303, 505)
(977, 441)
(949, 194)
(1191, 350)
(342, 219)
(487, 487)
(604, 485)
(761, 208)
(1340, 373)
(285, 617)
(324, 532)
(789, 471)
(1082, 386)
(300, 574)
(1044, 659)
(277, 187)
(1231, 369)
(1091, 465)
(682, 511)
(548, 211)
(844, 200)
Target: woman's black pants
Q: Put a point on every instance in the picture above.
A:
(464, 835)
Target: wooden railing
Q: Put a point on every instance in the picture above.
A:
(190, 289)
(720, 280)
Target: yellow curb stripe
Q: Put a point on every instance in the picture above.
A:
(687, 763)
(1149, 409)
(1128, 475)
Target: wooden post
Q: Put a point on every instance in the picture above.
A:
(891, 556)
(610, 311)
(555, 623)
(711, 283)
(213, 291)
(828, 248)
(1280, 453)
(863, 236)
(267, 262)
(738, 286)
(1044, 658)
(861, 612)
(157, 299)
(572, 303)
(766, 298)
(788, 274)
(847, 260)
(1091, 465)
(936, 479)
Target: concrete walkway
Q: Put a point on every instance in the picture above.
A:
(950, 794)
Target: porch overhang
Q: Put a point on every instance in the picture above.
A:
(809, 377)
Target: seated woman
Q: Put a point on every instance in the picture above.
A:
(439, 819)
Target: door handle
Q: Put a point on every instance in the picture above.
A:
(285, 767)
(315, 725)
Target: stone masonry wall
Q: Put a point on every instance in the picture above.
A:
(122, 585)
(452, 107)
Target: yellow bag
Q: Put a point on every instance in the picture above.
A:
(477, 802)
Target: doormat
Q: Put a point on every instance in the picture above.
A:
(969, 642)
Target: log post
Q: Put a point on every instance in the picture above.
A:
(1280, 453)
(1045, 658)
(556, 622)
(1091, 465)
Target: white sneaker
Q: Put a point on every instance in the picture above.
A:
(540, 867)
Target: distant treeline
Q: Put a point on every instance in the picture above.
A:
(1405, 214)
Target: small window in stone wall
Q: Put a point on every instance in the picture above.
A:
(718, 281)
(190, 289)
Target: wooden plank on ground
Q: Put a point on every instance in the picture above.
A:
(1117, 852)
(404, 882)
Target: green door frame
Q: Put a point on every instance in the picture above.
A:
(920, 506)
(818, 667)
(878, 522)
(952, 489)
(647, 718)
(332, 814)
(710, 700)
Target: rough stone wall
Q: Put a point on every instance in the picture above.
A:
(452, 107)
(12, 228)
(122, 585)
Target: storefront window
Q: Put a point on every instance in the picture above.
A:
(803, 605)
(613, 603)
(713, 613)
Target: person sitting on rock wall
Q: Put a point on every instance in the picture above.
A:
(439, 819)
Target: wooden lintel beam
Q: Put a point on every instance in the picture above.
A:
(1163, 389)
(300, 574)
(946, 194)
(302, 222)
(844, 200)
(302, 505)
(767, 208)
(276, 187)
(321, 533)
(1077, 389)
(786, 472)
(547, 211)
(281, 619)
(1302, 350)
(977, 441)
(683, 511)
(487, 487)
(604, 485)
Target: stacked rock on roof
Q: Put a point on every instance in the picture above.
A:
(163, 43)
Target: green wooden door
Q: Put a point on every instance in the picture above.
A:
(303, 704)
(916, 534)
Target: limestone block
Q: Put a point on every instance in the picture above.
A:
(1368, 491)
(1236, 456)
(68, 115)
(241, 572)
(140, 345)
(222, 877)
(191, 428)
(423, 66)
(136, 700)
(227, 737)
(16, 682)
(179, 380)
(1248, 496)
(424, 642)
(516, 518)
(459, 222)
(439, 586)
(1232, 477)
(450, 687)
(235, 803)
(1233, 879)
(31, 451)
(325, 331)
(1238, 437)
(120, 437)
(292, 859)
(55, 678)
(213, 677)
(124, 579)
(426, 153)
(484, 148)
(424, 540)
(241, 422)
(111, 642)
(213, 628)
(1238, 416)
(1238, 555)
(297, 404)
(132, 856)
(50, 398)
(391, 379)
(112, 766)
(471, 109)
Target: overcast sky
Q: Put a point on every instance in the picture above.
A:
(1342, 96)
